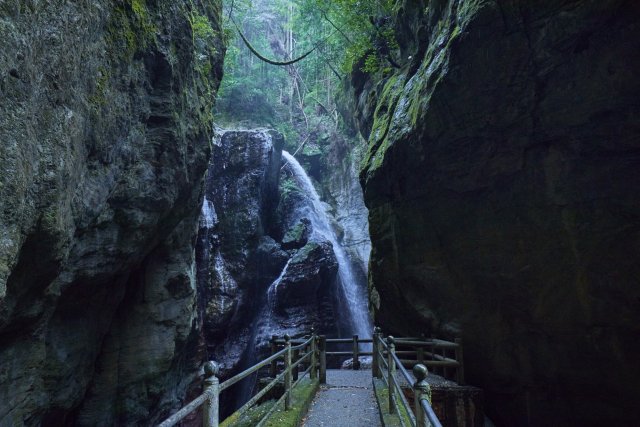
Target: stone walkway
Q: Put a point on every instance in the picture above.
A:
(345, 401)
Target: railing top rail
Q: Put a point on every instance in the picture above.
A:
(231, 381)
(407, 376)
(330, 341)
(302, 345)
(428, 342)
(178, 416)
(431, 415)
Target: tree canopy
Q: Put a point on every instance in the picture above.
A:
(314, 43)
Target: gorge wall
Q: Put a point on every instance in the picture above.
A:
(105, 125)
(502, 181)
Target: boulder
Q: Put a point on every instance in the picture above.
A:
(298, 235)
(312, 268)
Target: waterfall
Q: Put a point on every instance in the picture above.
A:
(353, 295)
(271, 292)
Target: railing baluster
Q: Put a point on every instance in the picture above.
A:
(445, 371)
(356, 356)
(294, 371)
(420, 350)
(375, 364)
(287, 376)
(391, 372)
(212, 388)
(274, 349)
(459, 357)
(314, 358)
(323, 359)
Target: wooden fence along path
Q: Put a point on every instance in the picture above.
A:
(389, 357)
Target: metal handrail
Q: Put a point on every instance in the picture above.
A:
(424, 414)
(303, 344)
(431, 416)
(385, 358)
(182, 413)
(209, 399)
(403, 400)
(244, 374)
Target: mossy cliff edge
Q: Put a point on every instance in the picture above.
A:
(105, 123)
(502, 181)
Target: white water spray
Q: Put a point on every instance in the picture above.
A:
(355, 301)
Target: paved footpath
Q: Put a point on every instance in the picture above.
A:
(345, 401)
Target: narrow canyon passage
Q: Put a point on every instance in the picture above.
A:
(188, 182)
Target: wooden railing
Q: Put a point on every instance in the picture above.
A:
(385, 366)
(209, 399)
(355, 352)
(312, 353)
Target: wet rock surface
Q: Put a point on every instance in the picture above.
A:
(502, 186)
(237, 259)
(311, 268)
(298, 235)
(106, 136)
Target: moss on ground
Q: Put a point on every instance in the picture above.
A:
(250, 418)
(397, 419)
(301, 397)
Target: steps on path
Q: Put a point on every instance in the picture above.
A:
(346, 400)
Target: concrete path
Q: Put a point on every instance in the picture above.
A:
(345, 401)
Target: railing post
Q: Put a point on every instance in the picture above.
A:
(287, 372)
(273, 370)
(421, 391)
(314, 354)
(391, 372)
(323, 359)
(375, 363)
(420, 350)
(459, 358)
(212, 388)
(356, 355)
(445, 370)
(294, 371)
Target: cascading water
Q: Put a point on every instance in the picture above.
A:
(354, 300)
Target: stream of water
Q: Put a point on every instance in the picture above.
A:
(353, 300)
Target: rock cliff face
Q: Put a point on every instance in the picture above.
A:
(502, 181)
(237, 259)
(105, 126)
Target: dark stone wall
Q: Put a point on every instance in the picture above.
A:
(503, 184)
(105, 126)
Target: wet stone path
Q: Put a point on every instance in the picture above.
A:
(345, 401)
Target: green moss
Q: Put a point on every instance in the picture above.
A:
(147, 30)
(201, 27)
(98, 97)
(384, 111)
(130, 29)
(303, 253)
(301, 398)
(250, 418)
(121, 39)
(398, 418)
(288, 186)
(49, 220)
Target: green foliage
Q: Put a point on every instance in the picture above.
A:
(147, 28)
(299, 100)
